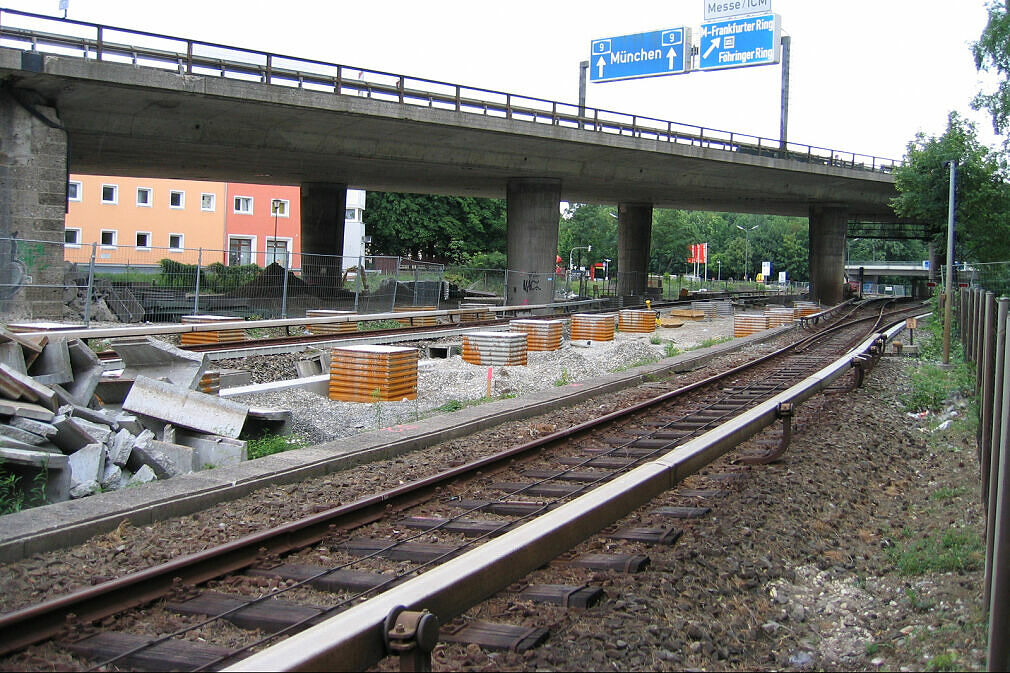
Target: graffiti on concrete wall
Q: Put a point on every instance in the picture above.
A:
(18, 259)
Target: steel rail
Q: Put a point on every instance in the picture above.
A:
(30, 625)
(354, 639)
(442, 95)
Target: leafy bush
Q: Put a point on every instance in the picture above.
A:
(267, 445)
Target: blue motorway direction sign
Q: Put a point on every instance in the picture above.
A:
(736, 43)
(661, 52)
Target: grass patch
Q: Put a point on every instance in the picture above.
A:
(267, 445)
(671, 350)
(943, 662)
(638, 363)
(947, 493)
(655, 340)
(708, 343)
(932, 385)
(564, 379)
(953, 550)
(15, 495)
(450, 406)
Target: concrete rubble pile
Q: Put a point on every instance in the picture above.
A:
(87, 431)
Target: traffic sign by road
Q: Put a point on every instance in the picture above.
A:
(661, 52)
(741, 42)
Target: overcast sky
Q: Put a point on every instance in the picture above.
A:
(866, 75)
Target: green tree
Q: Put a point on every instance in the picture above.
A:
(983, 196)
(583, 225)
(438, 228)
(992, 54)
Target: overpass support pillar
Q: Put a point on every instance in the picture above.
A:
(33, 198)
(828, 227)
(323, 206)
(533, 211)
(634, 232)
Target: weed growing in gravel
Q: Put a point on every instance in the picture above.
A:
(564, 379)
(708, 343)
(932, 385)
(367, 325)
(450, 406)
(947, 493)
(943, 662)
(267, 445)
(638, 363)
(655, 340)
(950, 551)
(917, 602)
(14, 497)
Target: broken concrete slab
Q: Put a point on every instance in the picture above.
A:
(19, 435)
(12, 355)
(15, 385)
(90, 415)
(28, 464)
(144, 356)
(35, 427)
(70, 436)
(186, 408)
(145, 475)
(263, 419)
(213, 450)
(113, 389)
(167, 460)
(120, 447)
(99, 431)
(87, 465)
(53, 364)
(87, 372)
(30, 346)
(112, 477)
(26, 410)
(129, 422)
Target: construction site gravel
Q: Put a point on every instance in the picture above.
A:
(793, 570)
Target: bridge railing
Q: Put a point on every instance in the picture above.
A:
(39, 33)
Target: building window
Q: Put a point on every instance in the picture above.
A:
(176, 199)
(175, 241)
(244, 205)
(73, 191)
(240, 250)
(208, 202)
(145, 196)
(277, 251)
(280, 207)
(143, 239)
(72, 237)
(108, 238)
(110, 194)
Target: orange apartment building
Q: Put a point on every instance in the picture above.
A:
(139, 221)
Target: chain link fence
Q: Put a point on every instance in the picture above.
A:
(136, 284)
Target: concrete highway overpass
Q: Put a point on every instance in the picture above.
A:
(182, 109)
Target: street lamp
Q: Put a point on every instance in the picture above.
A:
(746, 263)
(571, 263)
(719, 262)
(606, 269)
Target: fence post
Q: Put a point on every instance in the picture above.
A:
(196, 296)
(1002, 311)
(284, 289)
(997, 575)
(988, 376)
(396, 282)
(91, 286)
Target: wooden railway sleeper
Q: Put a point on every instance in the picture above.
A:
(784, 412)
(411, 635)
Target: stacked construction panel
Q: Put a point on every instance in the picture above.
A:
(416, 321)
(637, 320)
(541, 335)
(332, 328)
(745, 324)
(373, 373)
(688, 314)
(777, 317)
(210, 383)
(211, 337)
(496, 349)
(805, 308)
(709, 308)
(472, 314)
(593, 327)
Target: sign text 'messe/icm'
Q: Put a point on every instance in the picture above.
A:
(724, 9)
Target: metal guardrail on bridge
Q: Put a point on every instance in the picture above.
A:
(193, 57)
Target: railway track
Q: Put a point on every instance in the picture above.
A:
(380, 547)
